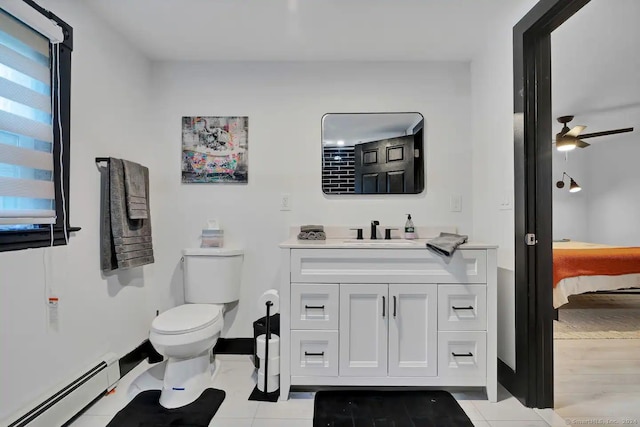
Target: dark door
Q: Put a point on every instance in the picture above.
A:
(532, 379)
(385, 166)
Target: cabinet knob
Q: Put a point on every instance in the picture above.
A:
(306, 353)
(314, 307)
(462, 308)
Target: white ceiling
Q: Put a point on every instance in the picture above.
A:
(352, 129)
(294, 30)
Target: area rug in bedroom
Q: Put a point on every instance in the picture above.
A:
(372, 408)
(599, 316)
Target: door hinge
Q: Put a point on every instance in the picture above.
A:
(530, 239)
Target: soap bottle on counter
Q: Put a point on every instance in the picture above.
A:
(409, 229)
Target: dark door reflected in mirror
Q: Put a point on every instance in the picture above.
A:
(372, 153)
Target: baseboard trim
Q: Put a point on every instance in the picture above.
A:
(234, 346)
(507, 376)
(134, 357)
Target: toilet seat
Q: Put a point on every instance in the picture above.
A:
(186, 318)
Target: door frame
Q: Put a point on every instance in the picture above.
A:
(532, 381)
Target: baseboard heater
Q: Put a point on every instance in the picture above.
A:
(64, 403)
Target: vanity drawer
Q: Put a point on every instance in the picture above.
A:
(314, 353)
(462, 307)
(416, 265)
(462, 354)
(315, 306)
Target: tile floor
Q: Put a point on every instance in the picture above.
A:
(237, 379)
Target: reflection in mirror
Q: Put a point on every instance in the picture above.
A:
(372, 153)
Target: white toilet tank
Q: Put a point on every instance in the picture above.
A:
(212, 275)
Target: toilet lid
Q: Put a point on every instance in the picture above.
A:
(186, 318)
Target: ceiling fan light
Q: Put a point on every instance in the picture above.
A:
(565, 144)
(574, 187)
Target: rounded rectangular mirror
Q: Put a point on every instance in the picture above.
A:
(372, 153)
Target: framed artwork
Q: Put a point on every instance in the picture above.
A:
(215, 149)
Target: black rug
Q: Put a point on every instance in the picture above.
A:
(145, 411)
(370, 408)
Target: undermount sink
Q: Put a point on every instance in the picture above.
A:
(393, 242)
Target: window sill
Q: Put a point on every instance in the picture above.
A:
(28, 239)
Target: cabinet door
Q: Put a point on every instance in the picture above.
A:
(413, 330)
(363, 329)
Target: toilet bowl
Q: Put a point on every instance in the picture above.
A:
(185, 335)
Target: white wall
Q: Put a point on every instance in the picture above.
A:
(601, 90)
(571, 210)
(613, 190)
(97, 314)
(608, 207)
(284, 103)
(492, 127)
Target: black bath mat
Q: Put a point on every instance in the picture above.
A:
(370, 408)
(145, 411)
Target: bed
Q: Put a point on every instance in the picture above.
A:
(580, 267)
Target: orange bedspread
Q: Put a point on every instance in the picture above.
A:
(592, 262)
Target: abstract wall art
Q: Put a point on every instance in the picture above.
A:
(215, 149)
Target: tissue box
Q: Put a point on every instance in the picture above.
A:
(212, 238)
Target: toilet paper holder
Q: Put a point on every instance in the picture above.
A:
(268, 304)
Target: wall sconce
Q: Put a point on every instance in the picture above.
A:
(573, 185)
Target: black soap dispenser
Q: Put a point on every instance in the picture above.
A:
(409, 229)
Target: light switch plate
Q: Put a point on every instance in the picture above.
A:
(455, 203)
(506, 202)
(285, 202)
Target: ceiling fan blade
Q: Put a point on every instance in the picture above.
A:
(581, 144)
(607, 132)
(575, 131)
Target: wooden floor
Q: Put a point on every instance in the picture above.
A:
(597, 381)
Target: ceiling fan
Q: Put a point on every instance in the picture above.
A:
(568, 139)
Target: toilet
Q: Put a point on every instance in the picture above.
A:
(185, 335)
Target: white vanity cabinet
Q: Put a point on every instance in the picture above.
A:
(387, 316)
(388, 330)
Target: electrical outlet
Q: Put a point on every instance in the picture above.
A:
(455, 203)
(285, 202)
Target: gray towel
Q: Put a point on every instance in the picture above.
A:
(312, 235)
(305, 228)
(447, 243)
(136, 190)
(108, 259)
(125, 242)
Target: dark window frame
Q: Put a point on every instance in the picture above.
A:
(41, 237)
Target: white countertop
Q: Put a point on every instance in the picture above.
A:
(350, 243)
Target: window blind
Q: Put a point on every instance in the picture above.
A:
(27, 191)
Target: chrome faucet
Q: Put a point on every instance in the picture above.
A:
(374, 231)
